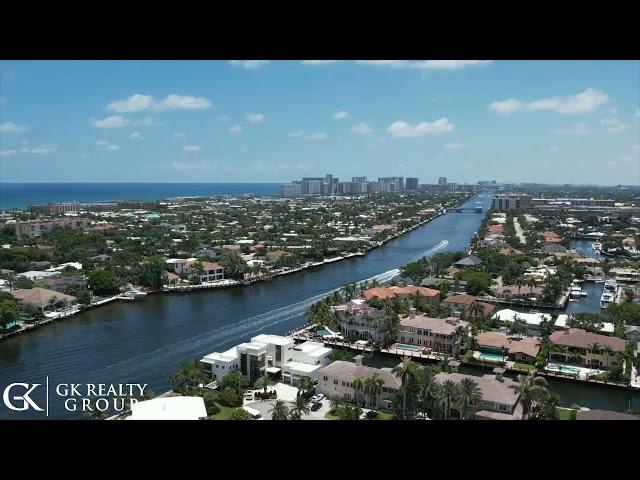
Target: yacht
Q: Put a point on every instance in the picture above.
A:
(134, 292)
(606, 299)
(596, 247)
(577, 291)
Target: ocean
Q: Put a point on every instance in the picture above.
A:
(19, 195)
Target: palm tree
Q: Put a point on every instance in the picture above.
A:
(335, 403)
(279, 411)
(300, 407)
(264, 382)
(372, 387)
(305, 385)
(446, 395)
(531, 389)
(469, 394)
(476, 310)
(428, 388)
(358, 387)
(408, 372)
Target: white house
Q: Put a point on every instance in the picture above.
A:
(534, 320)
(271, 354)
(169, 408)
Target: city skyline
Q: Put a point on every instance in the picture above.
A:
(261, 121)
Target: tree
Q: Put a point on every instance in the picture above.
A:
(189, 376)
(240, 414)
(408, 372)
(9, 312)
(264, 382)
(416, 271)
(234, 265)
(530, 389)
(103, 282)
(469, 394)
(518, 327)
(196, 269)
(279, 411)
(153, 273)
(427, 389)
(300, 407)
(446, 395)
(23, 283)
(235, 380)
(478, 283)
(547, 408)
(372, 387)
(306, 387)
(358, 387)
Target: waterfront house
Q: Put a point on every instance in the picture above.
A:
(553, 248)
(185, 266)
(359, 320)
(436, 334)
(632, 333)
(277, 254)
(470, 261)
(499, 398)
(506, 292)
(380, 292)
(460, 303)
(551, 237)
(270, 354)
(433, 296)
(43, 299)
(577, 346)
(337, 379)
(518, 350)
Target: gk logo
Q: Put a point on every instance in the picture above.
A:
(25, 398)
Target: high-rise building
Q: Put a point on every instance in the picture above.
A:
(442, 181)
(412, 183)
(315, 187)
(290, 190)
(359, 179)
(504, 202)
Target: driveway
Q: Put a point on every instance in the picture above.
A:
(264, 406)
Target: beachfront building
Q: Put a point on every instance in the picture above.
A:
(270, 354)
(359, 320)
(437, 334)
(499, 397)
(37, 228)
(579, 347)
(337, 379)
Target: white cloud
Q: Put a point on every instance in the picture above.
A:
(448, 64)
(115, 121)
(361, 129)
(317, 136)
(297, 134)
(135, 136)
(7, 153)
(340, 115)
(385, 63)
(577, 129)
(113, 147)
(250, 64)
(637, 114)
(583, 102)
(235, 129)
(255, 117)
(102, 143)
(10, 127)
(554, 149)
(402, 129)
(140, 103)
(614, 125)
(506, 107)
(454, 146)
(45, 149)
(179, 134)
(191, 148)
(318, 62)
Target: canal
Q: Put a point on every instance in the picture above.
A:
(145, 341)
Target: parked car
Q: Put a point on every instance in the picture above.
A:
(317, 397)
(248, 395)
(316, 406)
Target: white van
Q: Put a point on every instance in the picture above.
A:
(255, 414)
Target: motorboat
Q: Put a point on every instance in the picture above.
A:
(135, 293)
(597, 247)
(577, 291)
(606, 299)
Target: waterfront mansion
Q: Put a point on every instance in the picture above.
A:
(437, 334)
(579, 347)
(269, 354)
(209, 272)
(337, 380)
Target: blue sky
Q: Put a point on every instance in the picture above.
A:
(258, 121)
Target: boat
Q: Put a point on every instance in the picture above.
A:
(576, 291)
(597, 248)
(134, 292)
(606, 299)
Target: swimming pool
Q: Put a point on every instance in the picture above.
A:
(323, 332)
(401, 346)
(563, 369)
(492, 357)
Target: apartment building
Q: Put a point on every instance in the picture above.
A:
(37, 228)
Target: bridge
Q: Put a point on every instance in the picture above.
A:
(469, 209)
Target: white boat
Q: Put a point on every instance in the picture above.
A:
(577, 291)
(606, 299)
(134, 292)
(596, 247)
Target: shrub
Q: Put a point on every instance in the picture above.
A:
(229, 398)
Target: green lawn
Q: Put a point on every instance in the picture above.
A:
(328, 416)
(565, 413)
(224, 413)
(384, 415)
(523, 366)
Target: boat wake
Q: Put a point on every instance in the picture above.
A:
(206, 342)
